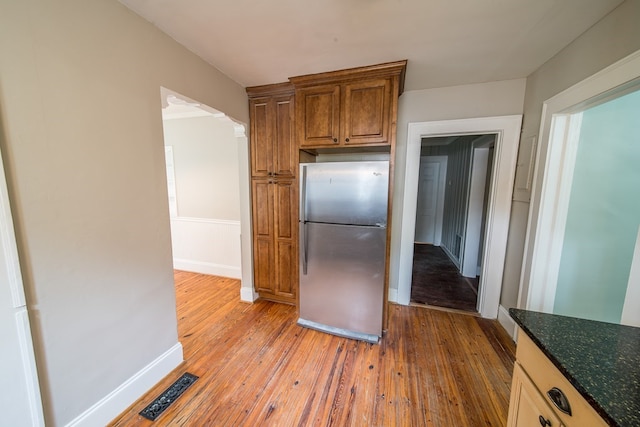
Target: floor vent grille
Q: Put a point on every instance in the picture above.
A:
(162, 402)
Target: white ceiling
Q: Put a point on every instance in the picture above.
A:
(447, 42)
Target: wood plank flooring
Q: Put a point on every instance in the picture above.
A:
(258, 368)
(436, 281)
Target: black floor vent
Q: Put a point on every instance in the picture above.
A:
(168, 396)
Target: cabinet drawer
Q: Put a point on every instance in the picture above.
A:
(546, 376)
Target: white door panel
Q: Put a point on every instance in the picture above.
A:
(427, 202)
(430, 202)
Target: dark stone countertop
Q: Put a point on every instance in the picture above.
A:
(601, 360)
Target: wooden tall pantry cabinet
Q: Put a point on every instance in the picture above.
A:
(328, 113)
(273, 192)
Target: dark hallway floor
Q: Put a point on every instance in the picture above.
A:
(436, 281)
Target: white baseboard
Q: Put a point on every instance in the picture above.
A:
(248, 295)
(453, 259)
(128, 392)
(507, 322)
(207, 268)
(393, 295)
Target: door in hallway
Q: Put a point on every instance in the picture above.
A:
(427, 202)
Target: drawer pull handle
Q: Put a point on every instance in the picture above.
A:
(560, 400)
(543, 421)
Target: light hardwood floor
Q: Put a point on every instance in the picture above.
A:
(258, 368)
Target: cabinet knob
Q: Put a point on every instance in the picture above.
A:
(543, 421)
(335, 139)
(346, 140)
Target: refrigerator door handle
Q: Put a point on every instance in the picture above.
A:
(303, 217)
(304, 247)
(303, 193)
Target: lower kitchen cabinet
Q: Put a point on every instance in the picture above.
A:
(275, 226)
(541, 396)
(528, 407)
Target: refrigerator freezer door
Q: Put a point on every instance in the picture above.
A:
(345, 193)
(343, 287)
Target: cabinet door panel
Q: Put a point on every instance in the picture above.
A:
(263, 235)
(286, 238)
(318, 116)
(261, 137)
(286, 281)
(366, 112)
(284, 145)
(262, 209)
(285, 204)
(527, 404)
(263, 274)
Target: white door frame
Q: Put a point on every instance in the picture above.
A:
(507, 131)
(552, 178)
(25, 394)
(475, 205)
(247, 292)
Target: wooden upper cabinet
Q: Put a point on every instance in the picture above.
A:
(366, 112)
(261, 144)
(356, 107)
(318, 115)
(272, 131)
(284, 159)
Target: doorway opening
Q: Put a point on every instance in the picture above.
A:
(507, 137)
(585, 247)
(206, 157)
(451, 209)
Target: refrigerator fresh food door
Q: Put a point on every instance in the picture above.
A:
(345, 192)
(342, 279)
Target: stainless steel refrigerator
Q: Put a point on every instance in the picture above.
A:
(343, 231)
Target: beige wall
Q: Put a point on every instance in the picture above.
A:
(205, 154)
(614, 37)
(458, 102)
(81, 134)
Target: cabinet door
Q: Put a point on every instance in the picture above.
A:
(261, 136)
(263, 235)
(366, 112)
(286, 281)
(527, 407)
(284, 139)
(318, 115)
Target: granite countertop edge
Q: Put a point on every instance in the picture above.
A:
(565, 372)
